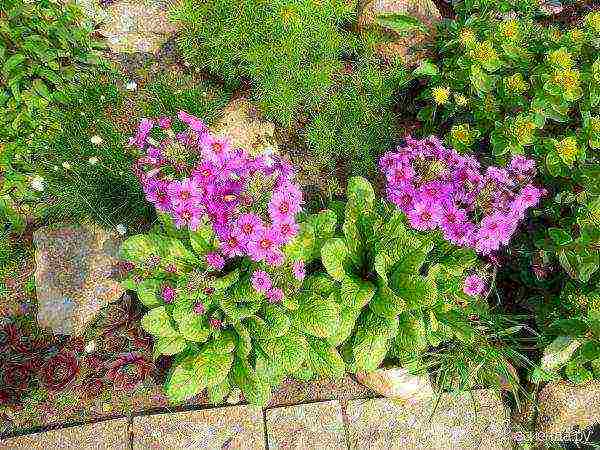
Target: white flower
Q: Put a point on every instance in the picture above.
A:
(96, 140)
(93, 160)
(55, 168)
(90, 347)
(131, 86)
(37, 183)
(66, 165)
(121, 229)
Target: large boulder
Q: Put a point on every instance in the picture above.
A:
(137, 25)
(242, 123)
(73, 280)
(406, 45)
(564, 406)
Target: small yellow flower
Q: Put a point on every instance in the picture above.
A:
(595, 124)
(288, 14)
(567, 149)
(523, 130)
(516, 84)
(555, 34)
(569, 79)
(467, 37)
(462, 135)
(441, 95)
(460, 99)
(576, 35)
(510, 29)
(592, 20)
(484, 52)
(490, 104)
(561, 58)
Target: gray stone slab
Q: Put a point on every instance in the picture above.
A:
(312, 426)
(108, 435)
(479, 421)
(235, 427)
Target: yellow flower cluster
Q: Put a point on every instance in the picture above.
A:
(509, 29)
(460, 99)
(593, 21)
(576, 35)
(467, 37)
(567, 148)
(489, 103)
(441, 95)
(568, 79)
(561, 58)
(595, 124)
(516, 84)
(523, 130)
(484, 52)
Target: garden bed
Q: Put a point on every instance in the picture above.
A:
(420, 181)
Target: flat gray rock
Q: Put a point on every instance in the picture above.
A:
(73, 276)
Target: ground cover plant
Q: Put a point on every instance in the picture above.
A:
(509, 85)
(44, 47)
(220, 276)
(309, 72)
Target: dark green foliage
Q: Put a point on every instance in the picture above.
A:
(43, 47)
(357, 121)
(291, 50)
(107, 191)
(308, 72)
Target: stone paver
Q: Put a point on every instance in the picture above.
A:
(235, 427)
(313, 426)
(384, 424)
(108, 435)
(73, 275)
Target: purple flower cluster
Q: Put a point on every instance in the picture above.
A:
(437, 188)
(250, 201)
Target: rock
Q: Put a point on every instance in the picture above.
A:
(563, 406)
(137, 25)
(72, 277)
(233, 427)
(244, 126)
(310, 426)
(474, 420)
(398, 383)
(92, 10)
(405, 45)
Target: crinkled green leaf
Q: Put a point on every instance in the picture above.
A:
(158, 323)
(324, 359)
(317, 316)
(255, 390)
(170, 345)
(334, 256)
